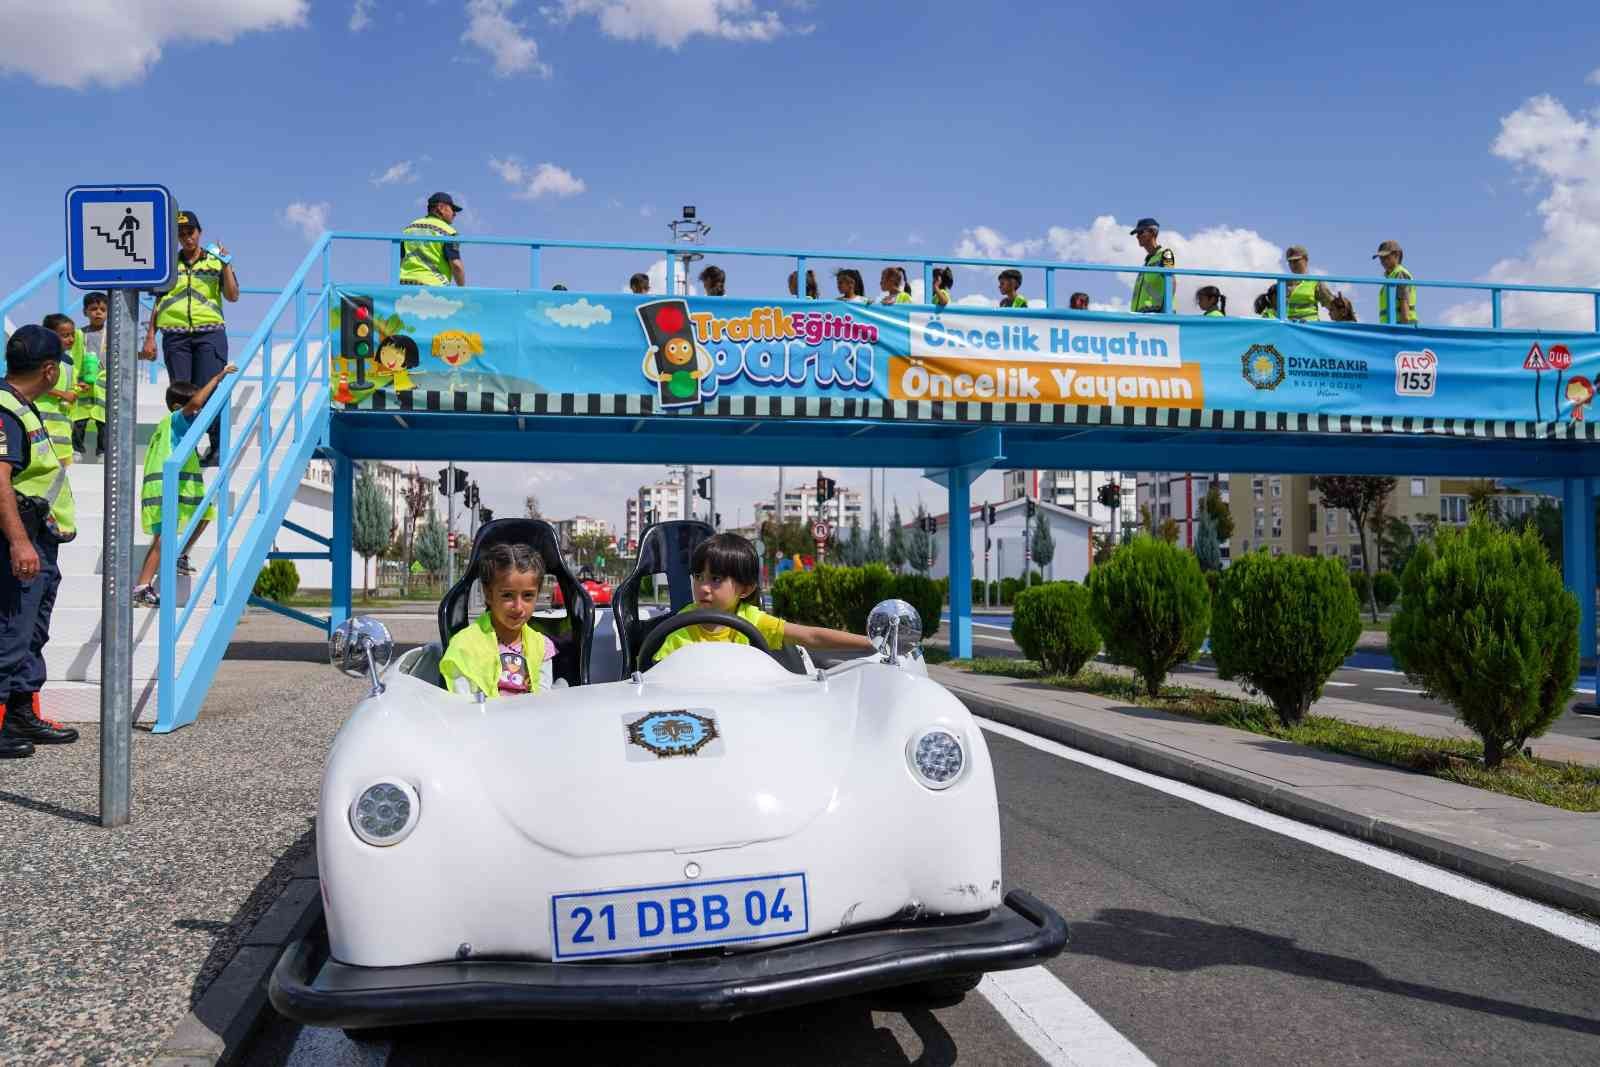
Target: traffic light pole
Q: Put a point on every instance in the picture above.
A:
(450, 528)
(986, 542)
(713, 476)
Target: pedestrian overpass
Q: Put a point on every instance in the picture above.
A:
(537, 374)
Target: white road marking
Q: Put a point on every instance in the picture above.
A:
(1341, 685)
(1392, 689)
(1056, 1023)
(1580, 932)
(317, 1047)
(1375, 670)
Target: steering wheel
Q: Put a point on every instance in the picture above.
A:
(652, 642)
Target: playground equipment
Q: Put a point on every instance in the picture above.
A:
(537, 375)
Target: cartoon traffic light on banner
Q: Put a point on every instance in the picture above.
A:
(673, 360)
(358, 340)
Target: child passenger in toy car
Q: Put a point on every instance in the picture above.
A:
(726, 576)
(499, 654)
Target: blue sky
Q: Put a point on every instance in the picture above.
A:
(935, 127)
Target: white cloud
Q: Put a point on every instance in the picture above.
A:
(361, 15)
(312, 218)
(546, 179)
(1594, 77)
(669, 23)
(46, 42)
(580, 314)
(401, 173)
(645, 211)
(426, 305)
(505, 40)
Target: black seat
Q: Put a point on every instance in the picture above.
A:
(572, 647)
(665, 548)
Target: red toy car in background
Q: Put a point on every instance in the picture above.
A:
(599, 591)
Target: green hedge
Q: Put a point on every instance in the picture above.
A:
(1053, 625)
(1386, 588)
(925, 595)
(277, 581)
(842, 597)
(1151, 606)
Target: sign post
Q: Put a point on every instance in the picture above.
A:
(121, 238)
(819, 532)
(1537, 363)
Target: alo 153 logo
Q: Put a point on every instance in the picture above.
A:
(1415, 373)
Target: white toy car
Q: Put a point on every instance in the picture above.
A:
(715, 836)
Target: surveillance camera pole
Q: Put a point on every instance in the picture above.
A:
(690, 230)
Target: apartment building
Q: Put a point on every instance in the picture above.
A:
(800, 504)
(660, 501)
(1179, 496)
(1078, 491)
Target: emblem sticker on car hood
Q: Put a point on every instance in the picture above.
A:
(654, 735)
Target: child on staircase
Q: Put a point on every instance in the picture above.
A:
(184, 402)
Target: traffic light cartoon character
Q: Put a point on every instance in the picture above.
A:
(1580, 391)
(673, 360)
(397, 357)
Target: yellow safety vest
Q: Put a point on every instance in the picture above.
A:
(1017, 301)
(1383, 298)
(191, 483)
(44, 477)
(195, 299)
(91, 402)
(1303, 301)
(1214, 313)
(424, 263)
(57, 414)
(770, 626)
(1150, 290)
(474, 654)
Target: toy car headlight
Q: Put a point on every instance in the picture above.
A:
(936, 757)
(385, 812)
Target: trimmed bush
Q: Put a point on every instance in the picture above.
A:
(924, 594)
(1052, 625)
(1386, 588)
(1008, 590)
(1362, 585)
(1486, 624)
(1282, 625)
(795, 597)
(1151, 606)
(977, 592)
(277, 581)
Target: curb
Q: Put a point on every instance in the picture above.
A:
(217, 1027)
(1547, 887)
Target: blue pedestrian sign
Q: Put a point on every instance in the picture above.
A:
(121, 236)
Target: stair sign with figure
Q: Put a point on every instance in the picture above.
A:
(121, 236)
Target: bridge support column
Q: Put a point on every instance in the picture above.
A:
(343, 518)
(960, 549)
(1577, 555)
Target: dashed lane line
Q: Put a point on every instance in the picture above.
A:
(1392, 689)
(1056, 1023)
(1557, 923)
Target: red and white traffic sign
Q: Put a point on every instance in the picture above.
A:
(819, 531)
(1536, 359)
(1560, 356)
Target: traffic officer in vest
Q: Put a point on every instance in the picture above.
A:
(194, 335)
(433, 262)
(1389, 256)
(1150, 290)
(36, 517)
(1304, 297)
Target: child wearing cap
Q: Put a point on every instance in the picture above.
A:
(1389, 256)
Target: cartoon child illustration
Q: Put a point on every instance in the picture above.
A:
(397, 356)
(1580, 391)
(674, 361)
(455, 348)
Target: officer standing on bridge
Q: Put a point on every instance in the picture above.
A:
(1150, 290)
(1304, 297)
(36, 518)
(1389, 256)
(433, 262)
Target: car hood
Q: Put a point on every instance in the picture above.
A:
(625, 767)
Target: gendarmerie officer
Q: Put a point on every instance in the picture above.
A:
(36, 518)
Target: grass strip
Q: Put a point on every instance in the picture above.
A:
(1571, 786)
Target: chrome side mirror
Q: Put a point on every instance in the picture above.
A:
(895, 630)
(361, 647)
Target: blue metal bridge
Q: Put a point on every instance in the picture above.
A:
(295, 416)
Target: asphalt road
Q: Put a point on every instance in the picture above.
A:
(1197, 938)
(1367, 676)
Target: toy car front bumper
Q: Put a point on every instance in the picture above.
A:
(311, 988)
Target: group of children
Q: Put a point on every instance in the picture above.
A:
(893, 283)
(79, 398)
(501, 654)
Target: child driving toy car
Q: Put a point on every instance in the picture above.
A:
(726, 576)
(499, 654)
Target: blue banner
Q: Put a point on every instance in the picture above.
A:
(500, 347)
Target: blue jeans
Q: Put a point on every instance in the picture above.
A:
(25, 609)
(197, 358)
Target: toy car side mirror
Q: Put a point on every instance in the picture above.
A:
(895, 629)
(361, 647)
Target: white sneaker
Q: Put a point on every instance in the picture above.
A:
(145, 596)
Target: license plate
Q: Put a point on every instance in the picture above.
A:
(656, 918)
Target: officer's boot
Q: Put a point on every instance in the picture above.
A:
(23, 720)
(12, 747)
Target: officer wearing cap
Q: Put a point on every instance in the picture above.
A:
(36, 517)
(1304, 297)
(1389, 256)
(433, 262)
(1150, 290)
(194, 331)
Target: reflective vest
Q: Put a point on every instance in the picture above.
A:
(1016, 300)
(772, 631)
(191, 484)
(424, 263)
(1214, 313)
(474, 654)
(44, 477)
(1411, 298)
(1150, 290)
(91, 402)
(1303, 301)
(57, 414)
(195, 299)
